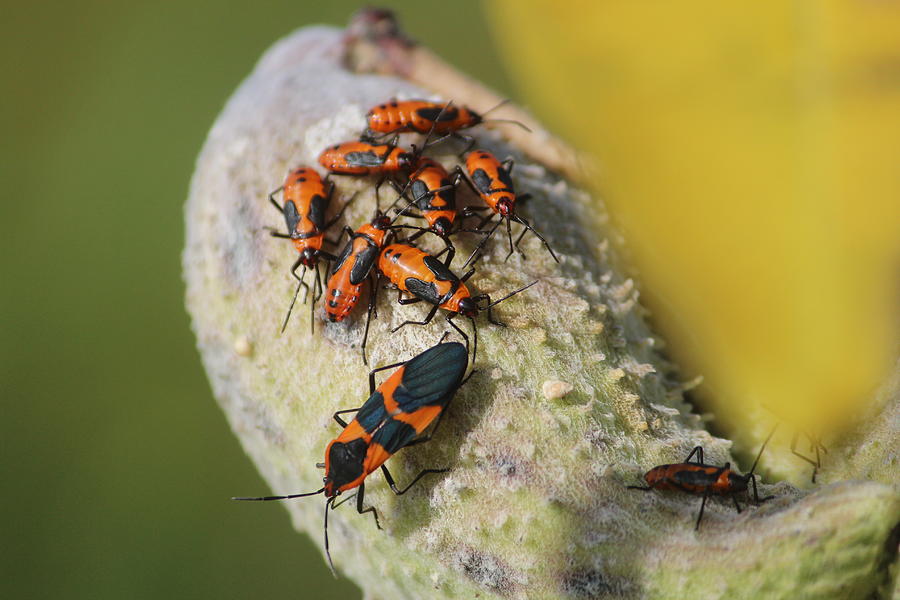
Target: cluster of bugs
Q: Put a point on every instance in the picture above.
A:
(407, 407)
(426, 191)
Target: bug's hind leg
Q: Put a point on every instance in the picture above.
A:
(700, 516)
(398, 491)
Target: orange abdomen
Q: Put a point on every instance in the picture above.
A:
(490, 178)
(341, 296)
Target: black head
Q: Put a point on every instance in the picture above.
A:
(442, 226)
(506, 206)
(381, 222)
(309, 257)
(468, 307)
(738, 483)
(407, 160)
(345, 465)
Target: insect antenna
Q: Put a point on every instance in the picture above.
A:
(327, 551)
(513, 122)
(495, 107)
(288, 497)
(503, 102)
(521, 289)
(763, 447)
(294, 301)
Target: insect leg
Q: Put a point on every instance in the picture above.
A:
(477, 250)
(359, 504)
(336, 217)
(470, 142)
(398, 491)
(458, 330)
(274, 202)
(373, 289)
(698, 450)
(384, 368)
(509, 235)
(427, 320)
(404, 301)
(700, 516)
(539, 236)
(756, 497)
(339, 420)
(814, 463)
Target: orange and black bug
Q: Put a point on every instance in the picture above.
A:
(425, 277)
(352, 267)
(433, 192)
(491, 180)
(704, 480)
(306, 199)
(424, 116)
(395, 416)
(366, 158)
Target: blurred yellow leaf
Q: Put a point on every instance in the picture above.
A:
(750, 153)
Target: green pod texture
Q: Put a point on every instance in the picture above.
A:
(571, 402)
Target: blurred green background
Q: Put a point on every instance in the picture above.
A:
(117, 463)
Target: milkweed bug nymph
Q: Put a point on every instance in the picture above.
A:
(351, 269)
(491, 180)
(395, 416)
(423, 116)
(306, 199)
(366, 158)
(433, 193)
(704, 480)
(425, 277)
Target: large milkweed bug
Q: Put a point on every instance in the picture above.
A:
(395, 416)
(425, 277)
(491, 180)
(352, 267)
(306, 198)
(704, 480)
(423, 116)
